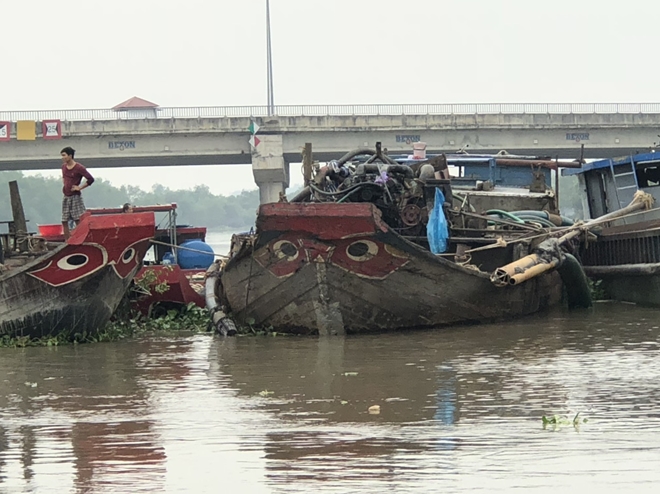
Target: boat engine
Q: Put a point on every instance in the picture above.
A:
(397, 190)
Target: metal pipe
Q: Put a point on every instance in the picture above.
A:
(542, 163)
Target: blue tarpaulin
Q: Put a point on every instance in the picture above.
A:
(436, 229)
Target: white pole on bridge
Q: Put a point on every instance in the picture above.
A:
(271, 98)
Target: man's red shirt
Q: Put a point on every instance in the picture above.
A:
(73, 177)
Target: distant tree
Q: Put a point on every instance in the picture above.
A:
(42, 197)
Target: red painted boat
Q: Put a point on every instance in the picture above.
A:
(73, 285)
(182, 286)
(355, 252)
(335, 268)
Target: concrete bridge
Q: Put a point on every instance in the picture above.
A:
(220, 135)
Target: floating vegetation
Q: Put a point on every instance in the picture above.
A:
(563, 420)
(190, 318)
(597, 291)
(150, 281)
(127, 324)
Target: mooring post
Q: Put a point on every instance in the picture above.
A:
(20, 225)
(307, 163)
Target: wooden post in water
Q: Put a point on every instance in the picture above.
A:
(307, 163)
(20, 225)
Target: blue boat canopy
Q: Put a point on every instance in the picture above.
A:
(635, 159)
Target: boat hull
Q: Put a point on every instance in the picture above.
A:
(625, 260)
(338, 268)
(184, 287)
(77, 287)
(635, 283)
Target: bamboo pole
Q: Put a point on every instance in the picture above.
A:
(533, 264)
(521, 270)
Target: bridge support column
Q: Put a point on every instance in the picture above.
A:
(270, 171)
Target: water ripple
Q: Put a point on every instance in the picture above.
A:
(455, 410)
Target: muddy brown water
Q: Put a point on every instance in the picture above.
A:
(460, 411)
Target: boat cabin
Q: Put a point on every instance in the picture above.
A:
(500, 181)
(610, 184)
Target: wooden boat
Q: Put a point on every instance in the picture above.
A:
(71, 286)
(182, 283)
(625, 258)
(357, 258)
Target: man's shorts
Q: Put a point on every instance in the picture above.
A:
(73, 208)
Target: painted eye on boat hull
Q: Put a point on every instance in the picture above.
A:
(362, 250)
(286, 250)
(128, 256)
(73, 261)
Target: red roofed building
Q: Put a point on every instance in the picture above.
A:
(137, 107)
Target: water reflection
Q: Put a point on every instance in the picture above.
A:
(83, 407)
(459, 400)
(459, 411)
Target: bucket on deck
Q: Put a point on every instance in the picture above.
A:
(51, 230)
(419, 150)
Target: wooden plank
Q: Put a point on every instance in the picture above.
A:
(20, 225)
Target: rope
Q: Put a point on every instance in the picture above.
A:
(221, 256)
(500, 242)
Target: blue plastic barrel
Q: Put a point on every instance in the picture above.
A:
(201, 258)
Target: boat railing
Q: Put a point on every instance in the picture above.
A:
(157, 208)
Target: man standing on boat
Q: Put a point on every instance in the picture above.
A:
(72, 174)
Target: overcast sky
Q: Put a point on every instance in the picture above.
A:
(91, 54)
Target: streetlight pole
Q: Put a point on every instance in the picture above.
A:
(271, 98)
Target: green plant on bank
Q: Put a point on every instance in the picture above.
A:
(597, 291)
(557, 421)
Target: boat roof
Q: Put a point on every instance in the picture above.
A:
(605, 163)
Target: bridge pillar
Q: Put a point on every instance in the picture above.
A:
(270, 171)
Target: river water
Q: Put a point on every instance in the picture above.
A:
(460, 411)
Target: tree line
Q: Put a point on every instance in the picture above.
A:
(42, 199)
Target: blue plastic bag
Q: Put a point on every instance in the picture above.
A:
(437, 230)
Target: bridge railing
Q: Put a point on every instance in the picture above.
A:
(335, 110)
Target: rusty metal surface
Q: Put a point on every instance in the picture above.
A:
(633, 248)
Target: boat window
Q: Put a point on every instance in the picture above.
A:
(649, 176)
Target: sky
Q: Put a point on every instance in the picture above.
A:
(89, 54)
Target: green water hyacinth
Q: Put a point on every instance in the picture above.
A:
(562, 420)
